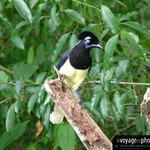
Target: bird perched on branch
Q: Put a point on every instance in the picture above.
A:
(74, 65)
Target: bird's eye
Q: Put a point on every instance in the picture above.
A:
(87, 41)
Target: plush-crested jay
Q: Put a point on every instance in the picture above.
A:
(74, 65)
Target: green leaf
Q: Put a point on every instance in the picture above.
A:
(8, 137)
(17, 41)
(95, 99)
(33, 89)
(19, 26)
(32, 3)
(51, 27)
(23, 9)
(122, 4)
(122, 67)
(61, 42)
(148, 130)
(108, 74)
(140, 123)
(5, 20)
(23, 71)
(109, 19)
(55, 19)
(39, 79)
(42, 110)
(17, 105)
(104, 33)
(134, 36)
(131, 39)
(46, 121)
(118, 102)
(94, 112)
(66, 137)
(31, 102)
(47, 100)
(90, 27)
(104, 105)
(30, 56)
(98, 56)
(40, 54)
(94, 71)
(7, 90)
(73, 41)
(10, 118)
(37, 111)
(127, 16)
(74, 15)
(44, 31)
(3, 77)
(137, 26)
(133, 43)
(33, 147)
(37, 16)
(41, 96)
(110, 47)
(115, 113)
(18, 86)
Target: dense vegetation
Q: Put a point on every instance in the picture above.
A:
(34, 34)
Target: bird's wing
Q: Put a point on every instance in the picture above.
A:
(63, 59)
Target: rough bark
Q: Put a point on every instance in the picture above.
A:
(88, 131)
(145, 105)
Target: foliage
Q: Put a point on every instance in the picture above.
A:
(34, 34)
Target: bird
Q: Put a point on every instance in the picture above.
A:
(74, 65)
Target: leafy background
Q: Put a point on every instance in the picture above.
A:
(34, 34)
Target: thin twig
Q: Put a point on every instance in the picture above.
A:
(10, 72)
(124, 129)
(5, 100)
(5, 69)
(8, 83)
(127, 128)
(86, 5)
(115, 82)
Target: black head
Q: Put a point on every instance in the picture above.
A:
(89, 39)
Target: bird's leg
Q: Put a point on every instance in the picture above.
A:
(75, 93)
(60, 76)
(56, 116)
(63, 77)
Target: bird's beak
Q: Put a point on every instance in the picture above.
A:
(97, 46)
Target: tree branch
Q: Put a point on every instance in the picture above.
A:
(121, 82)
(88, 131)
(5, 69)
(145, 105)
(10, 72)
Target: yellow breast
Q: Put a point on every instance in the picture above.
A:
(73, 77)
